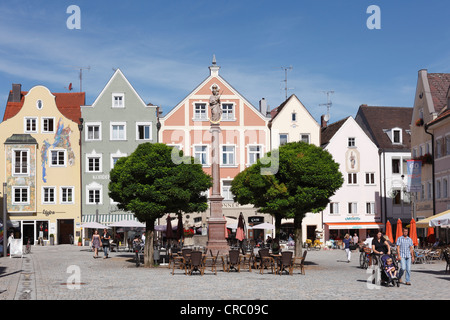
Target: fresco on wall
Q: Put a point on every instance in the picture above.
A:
(62, 141)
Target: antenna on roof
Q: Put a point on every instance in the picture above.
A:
(285, 79)
(81, 74)
(328, 104)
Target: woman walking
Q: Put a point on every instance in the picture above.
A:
(96, 243)
(347, 247)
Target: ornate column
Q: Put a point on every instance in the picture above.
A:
(216, 224)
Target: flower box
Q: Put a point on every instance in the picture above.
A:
(419, 122)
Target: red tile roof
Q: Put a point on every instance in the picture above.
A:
(439, 86)
(68, 104)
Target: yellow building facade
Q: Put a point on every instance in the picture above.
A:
(40, 168)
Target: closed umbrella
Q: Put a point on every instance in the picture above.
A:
(413, 233)
(240, 231)
(226, 230)
(398, 234)
(389, 231)
(180, 227)
(169, 231)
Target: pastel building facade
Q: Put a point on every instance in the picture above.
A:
(355, 207)
(41, 165)
(113, 126)
(429, 138)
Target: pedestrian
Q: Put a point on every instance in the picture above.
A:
(380, 245)
(405, 248)
(105, 243)
(96, 243)
(347, 241)
(355, 239)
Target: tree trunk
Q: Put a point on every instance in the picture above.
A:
(277, 226)
(298, 236)
(148, 248)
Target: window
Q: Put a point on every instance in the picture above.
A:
(353, 207)
(334, 207)
(200, 111)
(438, 148)
(93, 132)
(397, 197)
(396, 136)
(67, 195)
(304, 137)
(430, 190)
(20, 195)
(143, 131)
(395, 165)
(352, 178)
(283, 138)
(438, 189)
(48, 195)
(447, 145)
(94, 196)
(30, 125)
(39, 104)
(444, 188)
(351, 142)
(422, 192)
(58, 158)
(370, 207)
(20, 162)
(370, 178)
(226, 190)
(294, 116)
(228, 155)
(254, 153)
(201, 154)
(227, 111)
(94, 164)
(118, 100)
(48, 125)
(118, 131)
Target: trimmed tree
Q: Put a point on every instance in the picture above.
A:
(304, 179)
(149, 184)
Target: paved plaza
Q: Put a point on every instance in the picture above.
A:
(53, 273)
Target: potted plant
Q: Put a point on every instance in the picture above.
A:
(79, 241)
(52, 239)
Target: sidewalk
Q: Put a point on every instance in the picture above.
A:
(328, 277)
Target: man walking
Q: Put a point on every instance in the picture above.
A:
(105, 243)
(405, 251)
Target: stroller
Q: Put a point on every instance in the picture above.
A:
(385, 276)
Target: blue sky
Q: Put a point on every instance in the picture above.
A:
(164, 48)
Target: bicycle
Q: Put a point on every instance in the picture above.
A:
(364, 257)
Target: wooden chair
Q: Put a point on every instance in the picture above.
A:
(180, 262)
(186, 255)
(300, 264)
(248, 260)
(234, 260)
(265, 260)
(284, 262)
(213, 260)
(197, 262)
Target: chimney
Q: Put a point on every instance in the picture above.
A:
(324, 121)
(263, 106)
(16, 92)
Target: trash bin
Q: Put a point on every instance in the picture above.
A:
(156, 255)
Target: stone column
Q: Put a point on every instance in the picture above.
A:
(216, 224)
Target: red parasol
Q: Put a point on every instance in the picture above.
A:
(431, 238)
(389, 231)
(413, 233)
(399, 232)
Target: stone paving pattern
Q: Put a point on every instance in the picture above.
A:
(44, 274)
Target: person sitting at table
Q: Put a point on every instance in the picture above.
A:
(275, 246)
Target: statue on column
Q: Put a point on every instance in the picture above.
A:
(214, 104)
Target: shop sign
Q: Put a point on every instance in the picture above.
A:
(352, 218)
(48, 212)
(255, 219)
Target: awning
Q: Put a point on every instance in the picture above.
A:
(105, 218)
(354, 225)
(425, 223)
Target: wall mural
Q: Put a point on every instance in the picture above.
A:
(61, 140)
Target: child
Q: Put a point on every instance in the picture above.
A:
(390, 269)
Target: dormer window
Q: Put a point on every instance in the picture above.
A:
(396, 136)
(118, 100)
(294, 116)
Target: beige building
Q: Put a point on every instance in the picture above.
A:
(40, 164)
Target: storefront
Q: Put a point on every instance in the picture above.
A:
(40, 231)
(337, 230)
